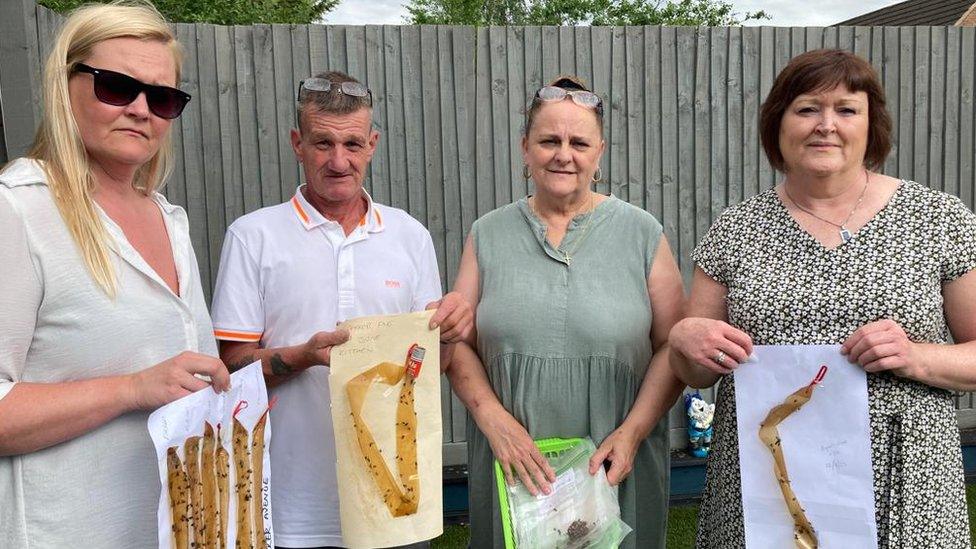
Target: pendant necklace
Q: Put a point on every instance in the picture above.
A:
(845, 233)
(568, 254)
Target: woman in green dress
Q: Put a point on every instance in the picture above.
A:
(575, 294)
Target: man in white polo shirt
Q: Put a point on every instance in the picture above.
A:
(289, 273)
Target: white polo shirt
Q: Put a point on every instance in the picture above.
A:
(287, 272)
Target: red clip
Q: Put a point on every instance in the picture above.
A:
(237, 409)
(820, 375)
(415, 359)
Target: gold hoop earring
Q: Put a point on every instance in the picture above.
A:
(525, 171)
(598, 175)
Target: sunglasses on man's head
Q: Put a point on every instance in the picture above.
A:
(115, 88)
(582, 98)
(354, 89)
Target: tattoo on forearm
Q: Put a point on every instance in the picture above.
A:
(240, 364)
(279, 367)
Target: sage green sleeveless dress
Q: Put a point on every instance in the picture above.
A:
(566, 344)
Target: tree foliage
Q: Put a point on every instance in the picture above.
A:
(227, 12)
(575, 12)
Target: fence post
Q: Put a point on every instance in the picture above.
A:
(20, 79)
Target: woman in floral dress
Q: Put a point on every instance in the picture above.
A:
(840, 254)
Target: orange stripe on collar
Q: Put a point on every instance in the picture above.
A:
(299, 210)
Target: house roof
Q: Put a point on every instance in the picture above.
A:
(914, 13)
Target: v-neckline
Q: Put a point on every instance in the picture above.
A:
(867, 227)
(130, 254)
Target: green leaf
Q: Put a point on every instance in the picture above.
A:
(227, 12)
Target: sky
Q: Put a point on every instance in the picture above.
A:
(786, 13)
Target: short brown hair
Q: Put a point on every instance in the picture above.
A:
(332, 101)
(821, 70)
(566, 82)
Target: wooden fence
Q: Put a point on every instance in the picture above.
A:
(681, 123)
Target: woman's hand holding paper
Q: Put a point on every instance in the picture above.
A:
(174, 378)
(883, 345)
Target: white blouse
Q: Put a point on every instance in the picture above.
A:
(56, 325)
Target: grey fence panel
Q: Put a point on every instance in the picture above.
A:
(395, 137)
(516, 75)
(634, 112)
(751, 98)
(681, 125)
(230, 145)
(718, 165)
(651, 106)
(686, 59)
(194, 179)
(616, 108)
(735, 150)
(247, 128)
(20, 77)
(501, 130)
(699, 177)
(379, 168)
(213, 147)
(966, 153)
(935, 94)
(950, 169)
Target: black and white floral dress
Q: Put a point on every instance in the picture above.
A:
(785, 288)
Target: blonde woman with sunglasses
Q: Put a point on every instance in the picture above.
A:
(575, 294)
(104, 317)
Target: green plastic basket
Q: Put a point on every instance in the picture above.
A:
(549, 447)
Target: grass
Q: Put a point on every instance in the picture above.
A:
(455, 536)
(682, 523)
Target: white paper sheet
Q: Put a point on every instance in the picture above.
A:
(826, 446)
(173, 423)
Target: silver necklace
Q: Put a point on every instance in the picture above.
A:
(568, 254)
(845, 233)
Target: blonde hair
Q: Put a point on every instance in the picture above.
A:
(58, 143)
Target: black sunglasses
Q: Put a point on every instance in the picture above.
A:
(115, 88)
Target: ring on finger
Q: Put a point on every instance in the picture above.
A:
(720, 357)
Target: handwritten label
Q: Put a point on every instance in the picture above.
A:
(356, 350)
(833, 461)
(361, 343)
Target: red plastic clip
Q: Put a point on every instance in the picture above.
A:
(415, 359)
(237, 409)
(820, 375)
